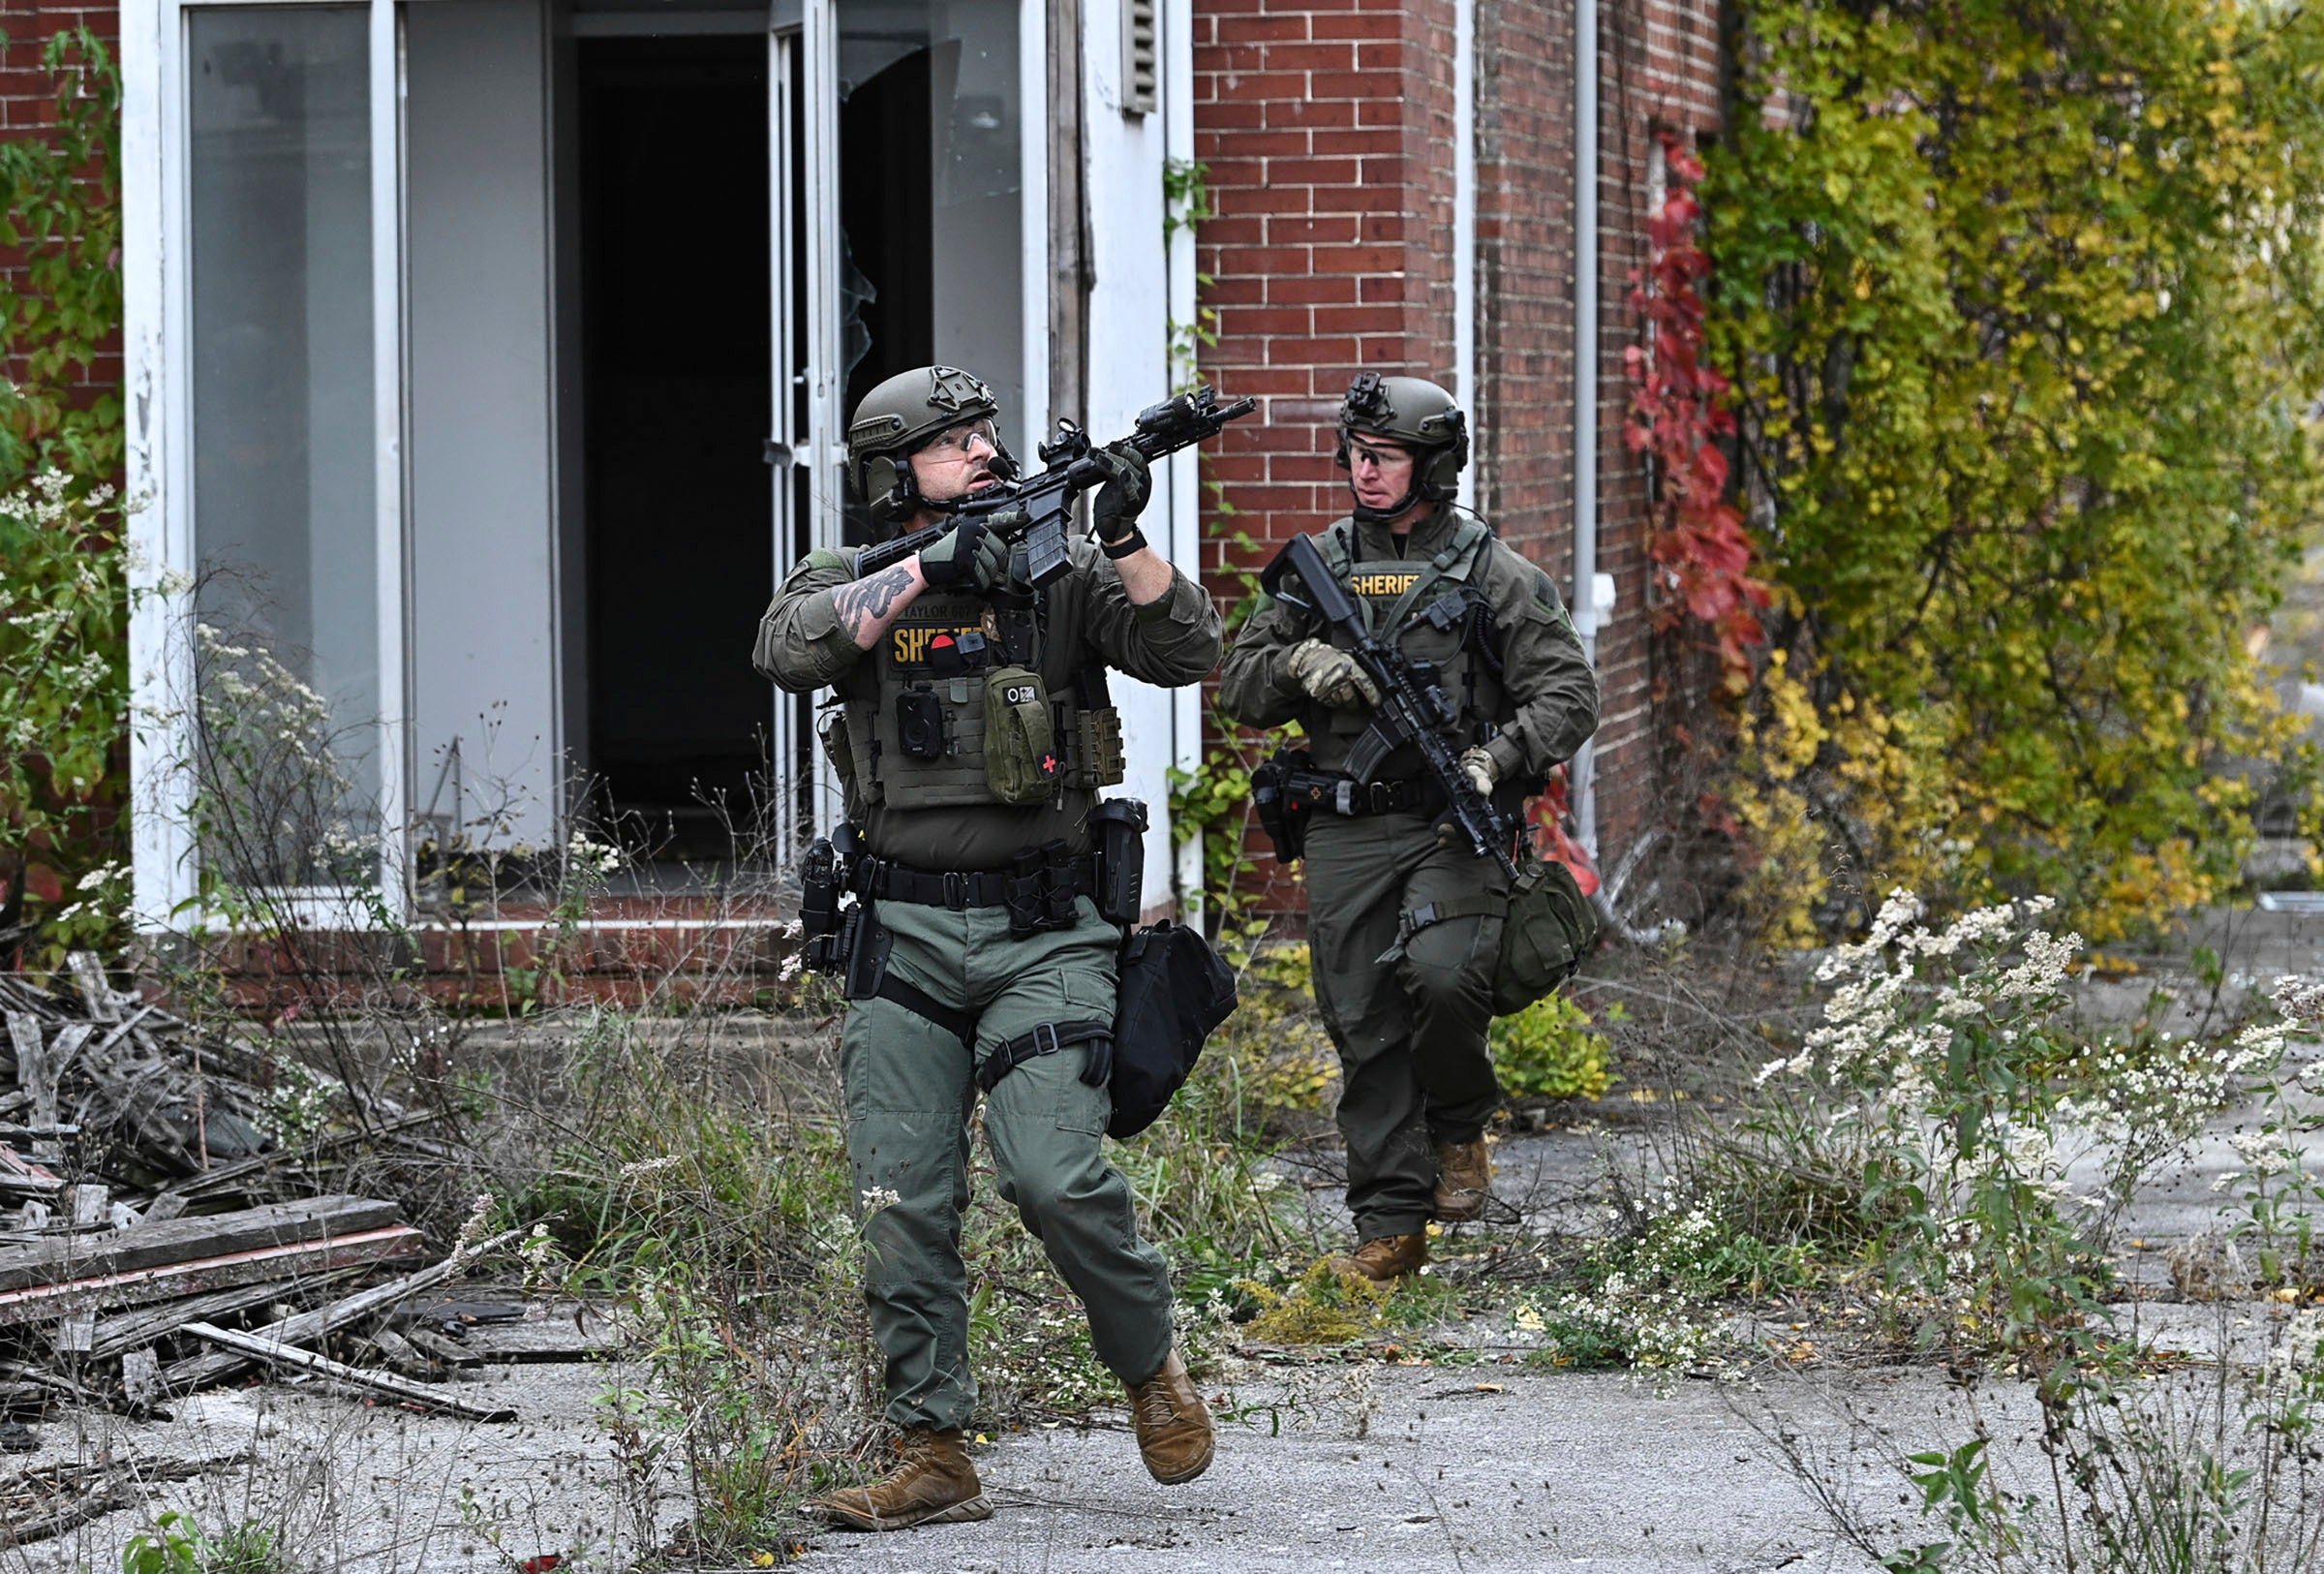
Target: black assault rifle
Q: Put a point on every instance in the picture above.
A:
(1412, 708)
(1048, 497)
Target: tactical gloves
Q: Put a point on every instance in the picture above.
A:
(970, 556)
(1114, 516)
(1331, 675)
(1482, 773)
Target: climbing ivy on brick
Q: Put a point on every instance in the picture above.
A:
(1680, 417)
(2020, 301)
(64, 601)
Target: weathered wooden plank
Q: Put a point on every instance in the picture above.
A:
(32, 1066)
(141, 1377)
(202, 1371)
(148, 1244)
(65, 1045)
(123, 1030)
(397, 1351)
(41, 1303)
(76, 1331)
(128, 1330)
(88, 1204)
(280, 1354)
(90, 973)
(450, 1351)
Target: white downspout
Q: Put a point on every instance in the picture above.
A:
(1464, 220)
(1182, 476)
(1585, 389)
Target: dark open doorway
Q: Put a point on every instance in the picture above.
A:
(676, 346)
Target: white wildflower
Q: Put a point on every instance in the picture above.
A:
(472, 1227)
(2258, 1149)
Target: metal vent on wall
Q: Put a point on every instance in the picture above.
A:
(1141, 69)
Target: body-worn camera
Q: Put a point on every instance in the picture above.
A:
(920, 724)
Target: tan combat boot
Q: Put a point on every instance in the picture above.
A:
(1174, 1426)
(1384, 1260)
(933, 1483)
(1464, 1179)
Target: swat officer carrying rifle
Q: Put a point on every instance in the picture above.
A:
(1437, 679)
(971, 733)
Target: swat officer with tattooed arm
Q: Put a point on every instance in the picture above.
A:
(1406, 907)
(971, 732)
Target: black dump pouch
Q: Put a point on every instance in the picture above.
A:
(1281, 815)
(1118, 832)
(1175, 991)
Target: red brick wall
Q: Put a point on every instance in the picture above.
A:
(27, 94)
(28, 106)
(1327, 128)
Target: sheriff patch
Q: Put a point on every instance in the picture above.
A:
(1391, 583)
(918, 644)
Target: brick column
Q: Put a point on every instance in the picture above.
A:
(1327, 128)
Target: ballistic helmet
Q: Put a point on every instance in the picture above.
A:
(900, 416)
(1415, 414)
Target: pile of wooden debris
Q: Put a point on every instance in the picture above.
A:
(156, 1237)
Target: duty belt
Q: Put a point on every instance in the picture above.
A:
(959, 890)
(1340, 794)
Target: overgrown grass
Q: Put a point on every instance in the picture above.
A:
(718, 1208)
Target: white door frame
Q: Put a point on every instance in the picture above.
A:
(823, 444)
(786, 441)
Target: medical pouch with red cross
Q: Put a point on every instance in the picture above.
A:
(1022, 760)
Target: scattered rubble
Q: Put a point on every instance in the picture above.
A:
(150, 1213)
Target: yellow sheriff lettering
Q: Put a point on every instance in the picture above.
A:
(913, 644)
(1384, 584)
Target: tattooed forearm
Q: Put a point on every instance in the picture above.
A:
(865, 605)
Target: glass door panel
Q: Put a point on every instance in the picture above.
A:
(930, 265)
(283, 422)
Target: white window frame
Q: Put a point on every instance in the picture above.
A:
(157, 318)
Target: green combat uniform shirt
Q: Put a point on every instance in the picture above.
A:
(1415, 1068)
(909, 1084)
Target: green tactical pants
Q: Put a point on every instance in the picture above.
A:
(911, 1086)
(1415, 1068)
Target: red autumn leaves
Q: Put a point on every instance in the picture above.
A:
(1677, 417)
